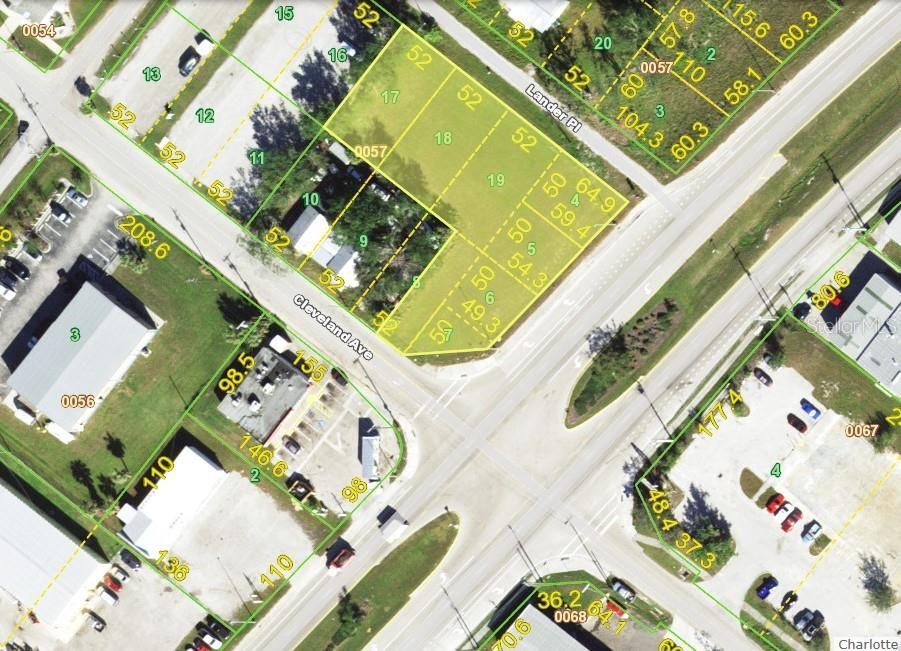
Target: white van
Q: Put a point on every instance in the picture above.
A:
(7, 292)
(107, 595)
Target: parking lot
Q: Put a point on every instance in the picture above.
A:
(330, 435)
(150, 615)
(161, 47)
(238, 534)
(826, 474)
(91, 235)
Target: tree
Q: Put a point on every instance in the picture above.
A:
(107, 485)
(318, 86)
(133, 258)
(599, 336)
(350, 614)
(116, 447)
(82, 474)
(876, 581)
(235, 334)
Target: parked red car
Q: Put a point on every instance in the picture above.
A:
(791, 520)
(797, 423)
(775, 502)
(111, 583)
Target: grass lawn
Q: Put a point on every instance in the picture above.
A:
(186, 352)
(647, 612)
(20, 208)
(205, 71)
(848, 129)
(835, 381)
(763, 637)
(84, 13)
(34, 50)
(750, 483)
(663, 559)
(9, 125)
(593, 23)
(892, 251)
(386, 588)
(820, 641)
(118, 48)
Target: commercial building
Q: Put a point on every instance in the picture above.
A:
(268, 394)
(162, 516)
(537, 14)
(85, 352)
(33, 555)
(869, 331)
(544, 634)
(369, 454)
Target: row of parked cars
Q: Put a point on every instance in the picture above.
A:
(806, 405)
(111, 586)
(211, 634)
(807, 622)
(778, 505)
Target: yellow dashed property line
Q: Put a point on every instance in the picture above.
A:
(745, 34)
(195, 71)
(523, 198)
(62, 569)
(390, 260)
(421, 274)
(498, 13)
(687, 83)
(651, 7)
(375, 168)
(551, 224)
(466, 321)
(637, 52)
(337, 219)
(483, 251)
(441, 304)
(265, 92)
(566, 35)
(468, 160)
(848, 522)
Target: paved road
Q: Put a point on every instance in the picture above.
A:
(520, 80)
(460, 420)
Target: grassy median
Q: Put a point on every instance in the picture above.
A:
(385, 589)
(844, 132)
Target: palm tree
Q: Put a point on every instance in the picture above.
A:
(82, 475)
(116, 447)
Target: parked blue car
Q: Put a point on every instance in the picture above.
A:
(812, 411)
(767, 586)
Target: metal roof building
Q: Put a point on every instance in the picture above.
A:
(110, 339)
(544, 633)
(32, 552)
(869, 331)
(163, 514)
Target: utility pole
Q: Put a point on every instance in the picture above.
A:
(31, 107)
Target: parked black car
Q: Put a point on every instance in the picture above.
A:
(16, 267)
(130, 559)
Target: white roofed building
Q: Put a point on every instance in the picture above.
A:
(32, 553)
(162, 516)
(110, 339)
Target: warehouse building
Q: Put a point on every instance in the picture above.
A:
(171, 507)
(88, 361)
(33, 553)
(869, 331)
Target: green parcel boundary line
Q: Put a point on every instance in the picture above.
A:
(38, 54)
(848, 129)
(384, 590)
(97, 521)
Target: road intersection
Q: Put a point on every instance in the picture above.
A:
(488, 418)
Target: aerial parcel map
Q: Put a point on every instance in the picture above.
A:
(450, 325)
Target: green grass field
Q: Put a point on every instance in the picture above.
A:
(9, 124)
(848, 129)
(592, 44)
(385, 589)
(426, 144)
(187, 350)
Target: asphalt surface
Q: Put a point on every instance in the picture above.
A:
(459, 419)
